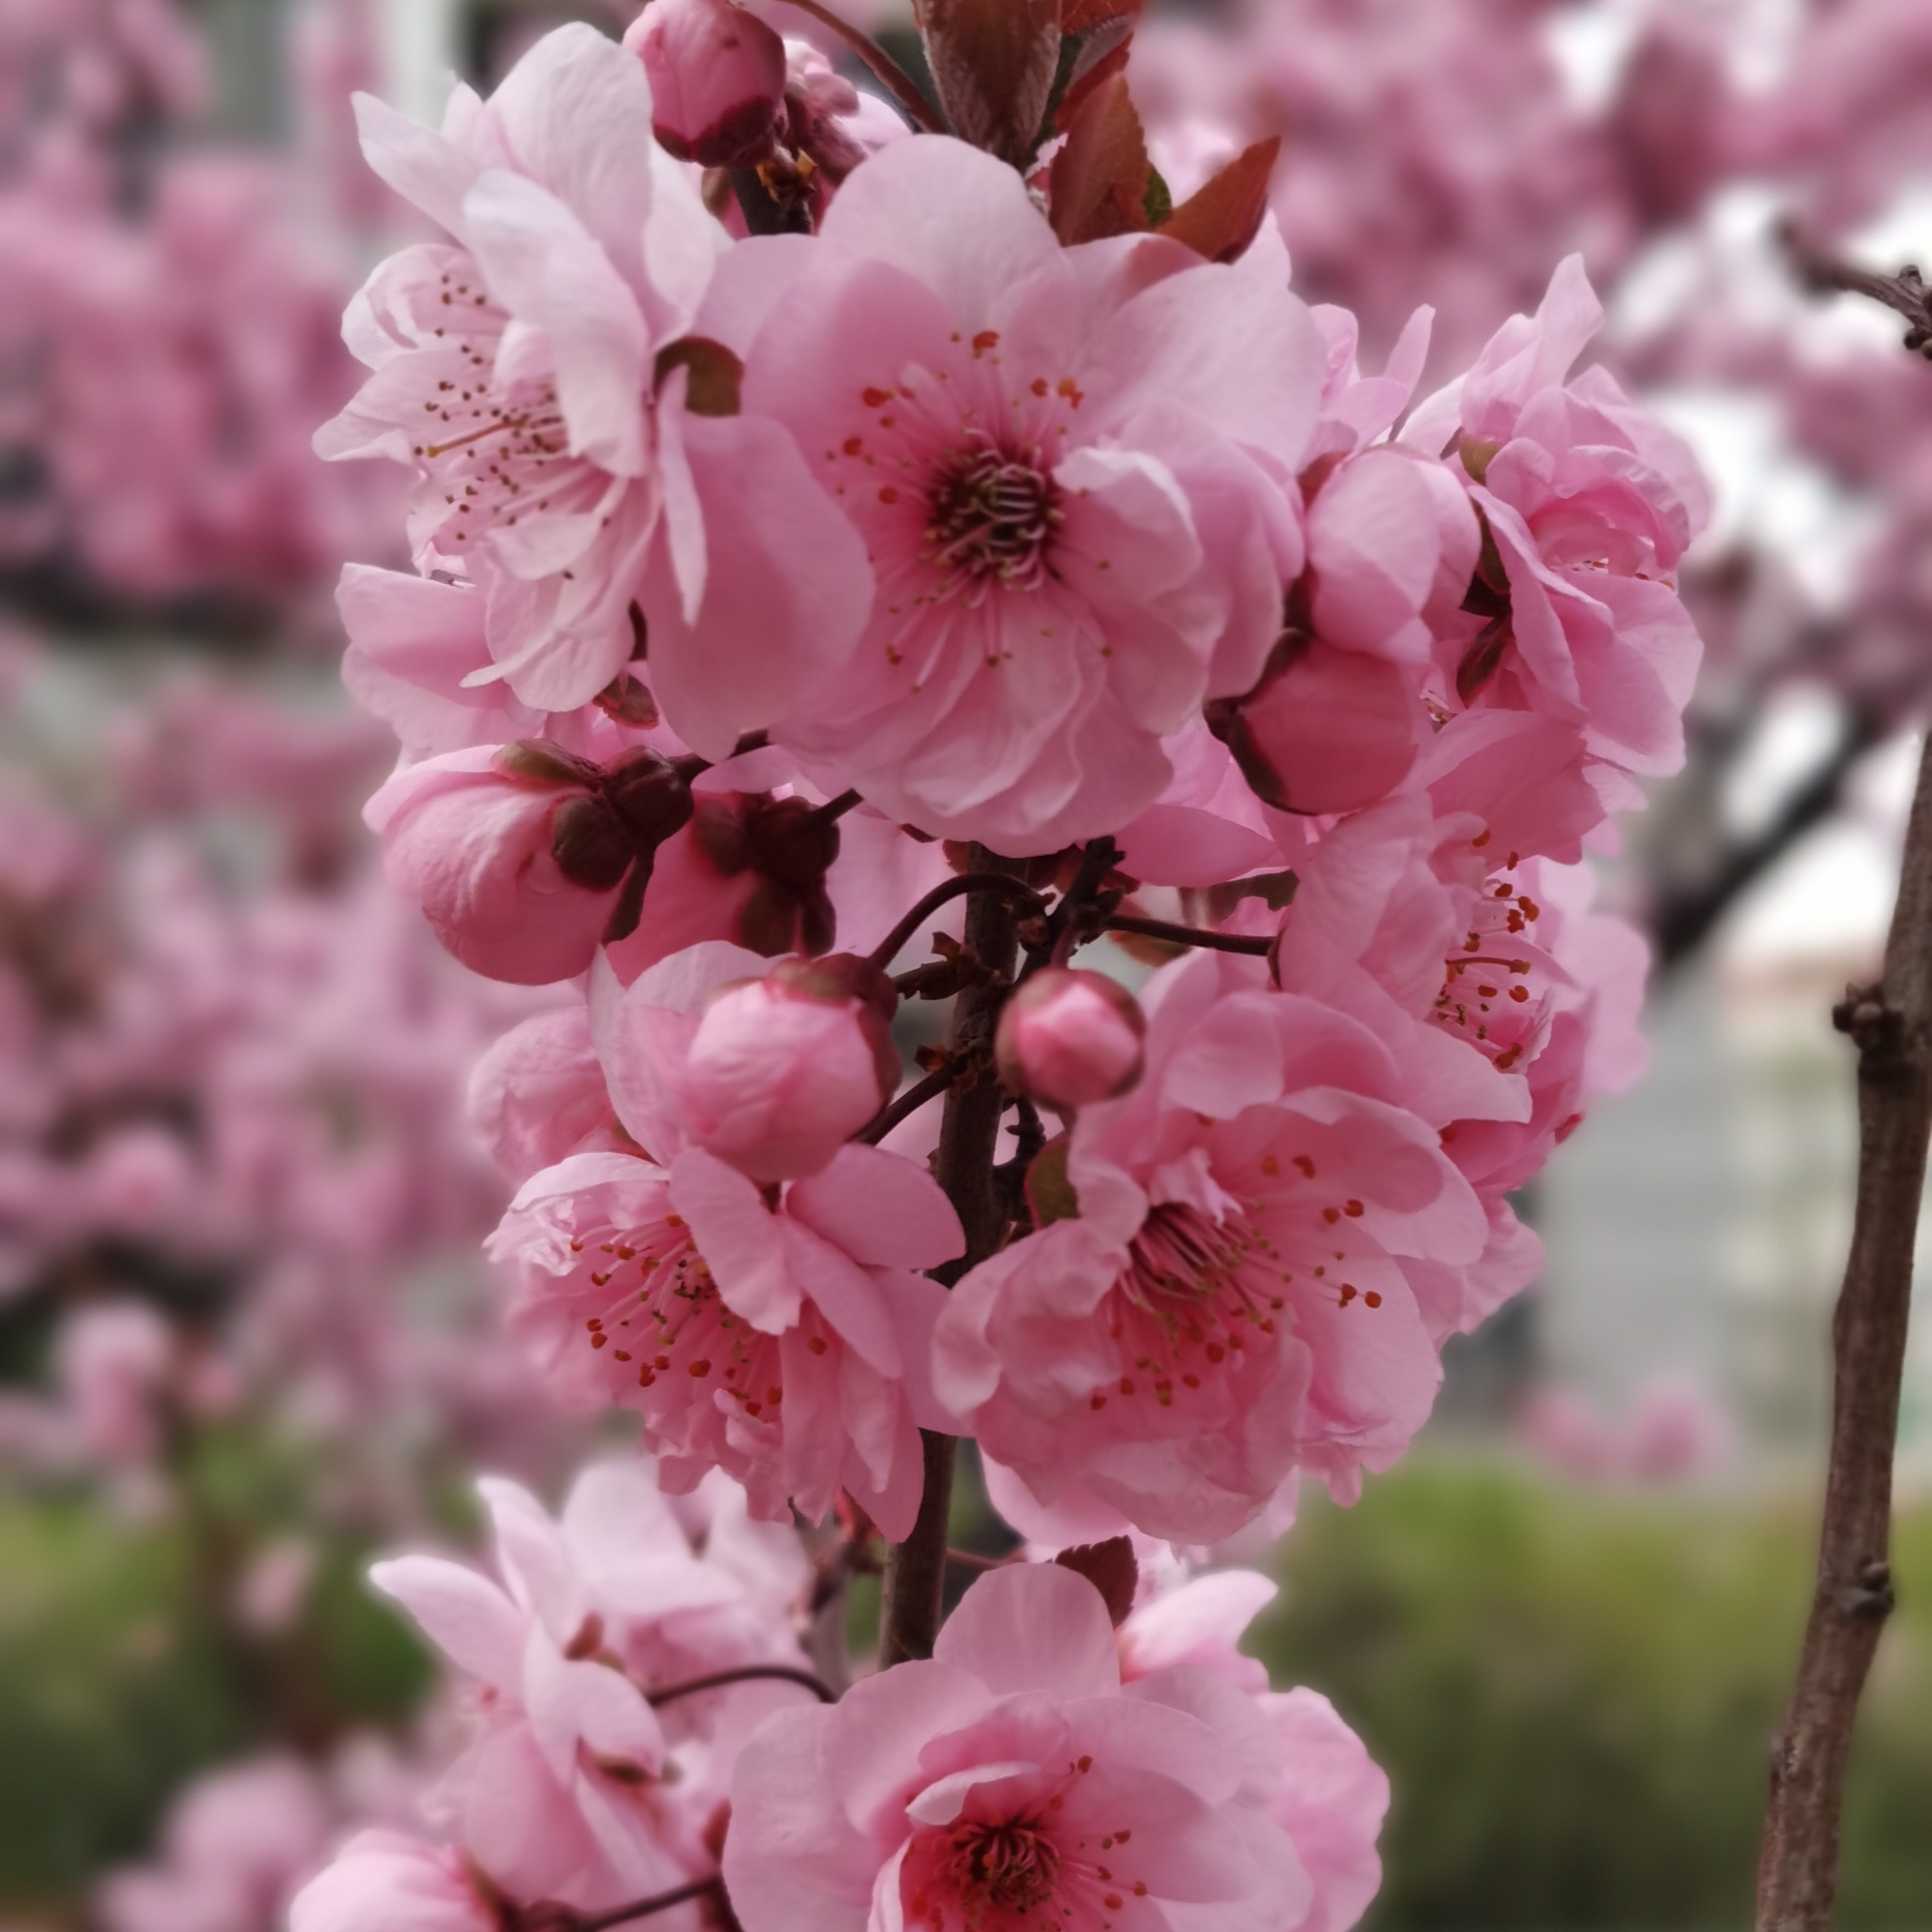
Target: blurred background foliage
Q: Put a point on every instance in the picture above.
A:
(1573, 1691)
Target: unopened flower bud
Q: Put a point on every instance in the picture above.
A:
(1071, 1039)
(784, 1070)
(718, 79)
(514, 858)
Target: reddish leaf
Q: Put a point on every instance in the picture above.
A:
(993, 62)
(1099, 179)
(1222, 218)
(1110, 1567)
(1080, 17)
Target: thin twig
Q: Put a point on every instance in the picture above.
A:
(905, 89)
(746, 1673)
(642, 1908)
(1891, 1025)
(909, 1103)
(895, 942)
(839, 806)
(1078, 917)
(1192, 935)
(1685, 918)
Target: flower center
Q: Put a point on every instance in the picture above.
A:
(991, 517)
(1180, 1256)
(664, 1320)
(1008, 1867)
(1487, 997)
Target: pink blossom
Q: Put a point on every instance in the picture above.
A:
(539, 1093)
(718, 79)
(384, 1881)
(571, 461)
(1011, 1776)
(1070, 1039)
(1332, 1795)
(236, 1843)
(1076, 521)
(473, 844)
(781, 1334)
(414, 645)
(1392, 542)
(1588, 502)
(1326, 730)
(560, 1796)
(117, 1361)
(1199, 1621)
(1218, 1294)
(787, 1345)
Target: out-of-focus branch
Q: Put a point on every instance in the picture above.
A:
(1685, 915)
(1891, 1026)
(1904, 293)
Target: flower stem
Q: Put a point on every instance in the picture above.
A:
(895, 942)
(909, 1103)
(1192, 935)
(746, 1673)
(642, 1908)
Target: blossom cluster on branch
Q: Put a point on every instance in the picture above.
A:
(822, 524)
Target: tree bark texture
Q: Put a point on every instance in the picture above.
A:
(1891, 1025)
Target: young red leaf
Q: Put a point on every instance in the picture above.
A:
(1112, 1570)
(1099, 179)
(1223, 217)
(1080, 17)
(993, 62)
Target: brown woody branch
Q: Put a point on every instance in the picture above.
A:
(968, 1138)
(1891, 1025)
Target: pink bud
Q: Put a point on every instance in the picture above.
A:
(783, 1071)
(718, 79)
(1070, 1039)
(476, 841)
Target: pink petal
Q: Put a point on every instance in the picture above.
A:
(464, 1615)
(1033, 1626)
(884, 1210)
(739, 1238)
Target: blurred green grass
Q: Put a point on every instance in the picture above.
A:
(1574, 1694)
(117, 1684)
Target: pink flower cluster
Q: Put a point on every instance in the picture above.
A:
(957, 518)
(169, 344)
(233, 1151)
